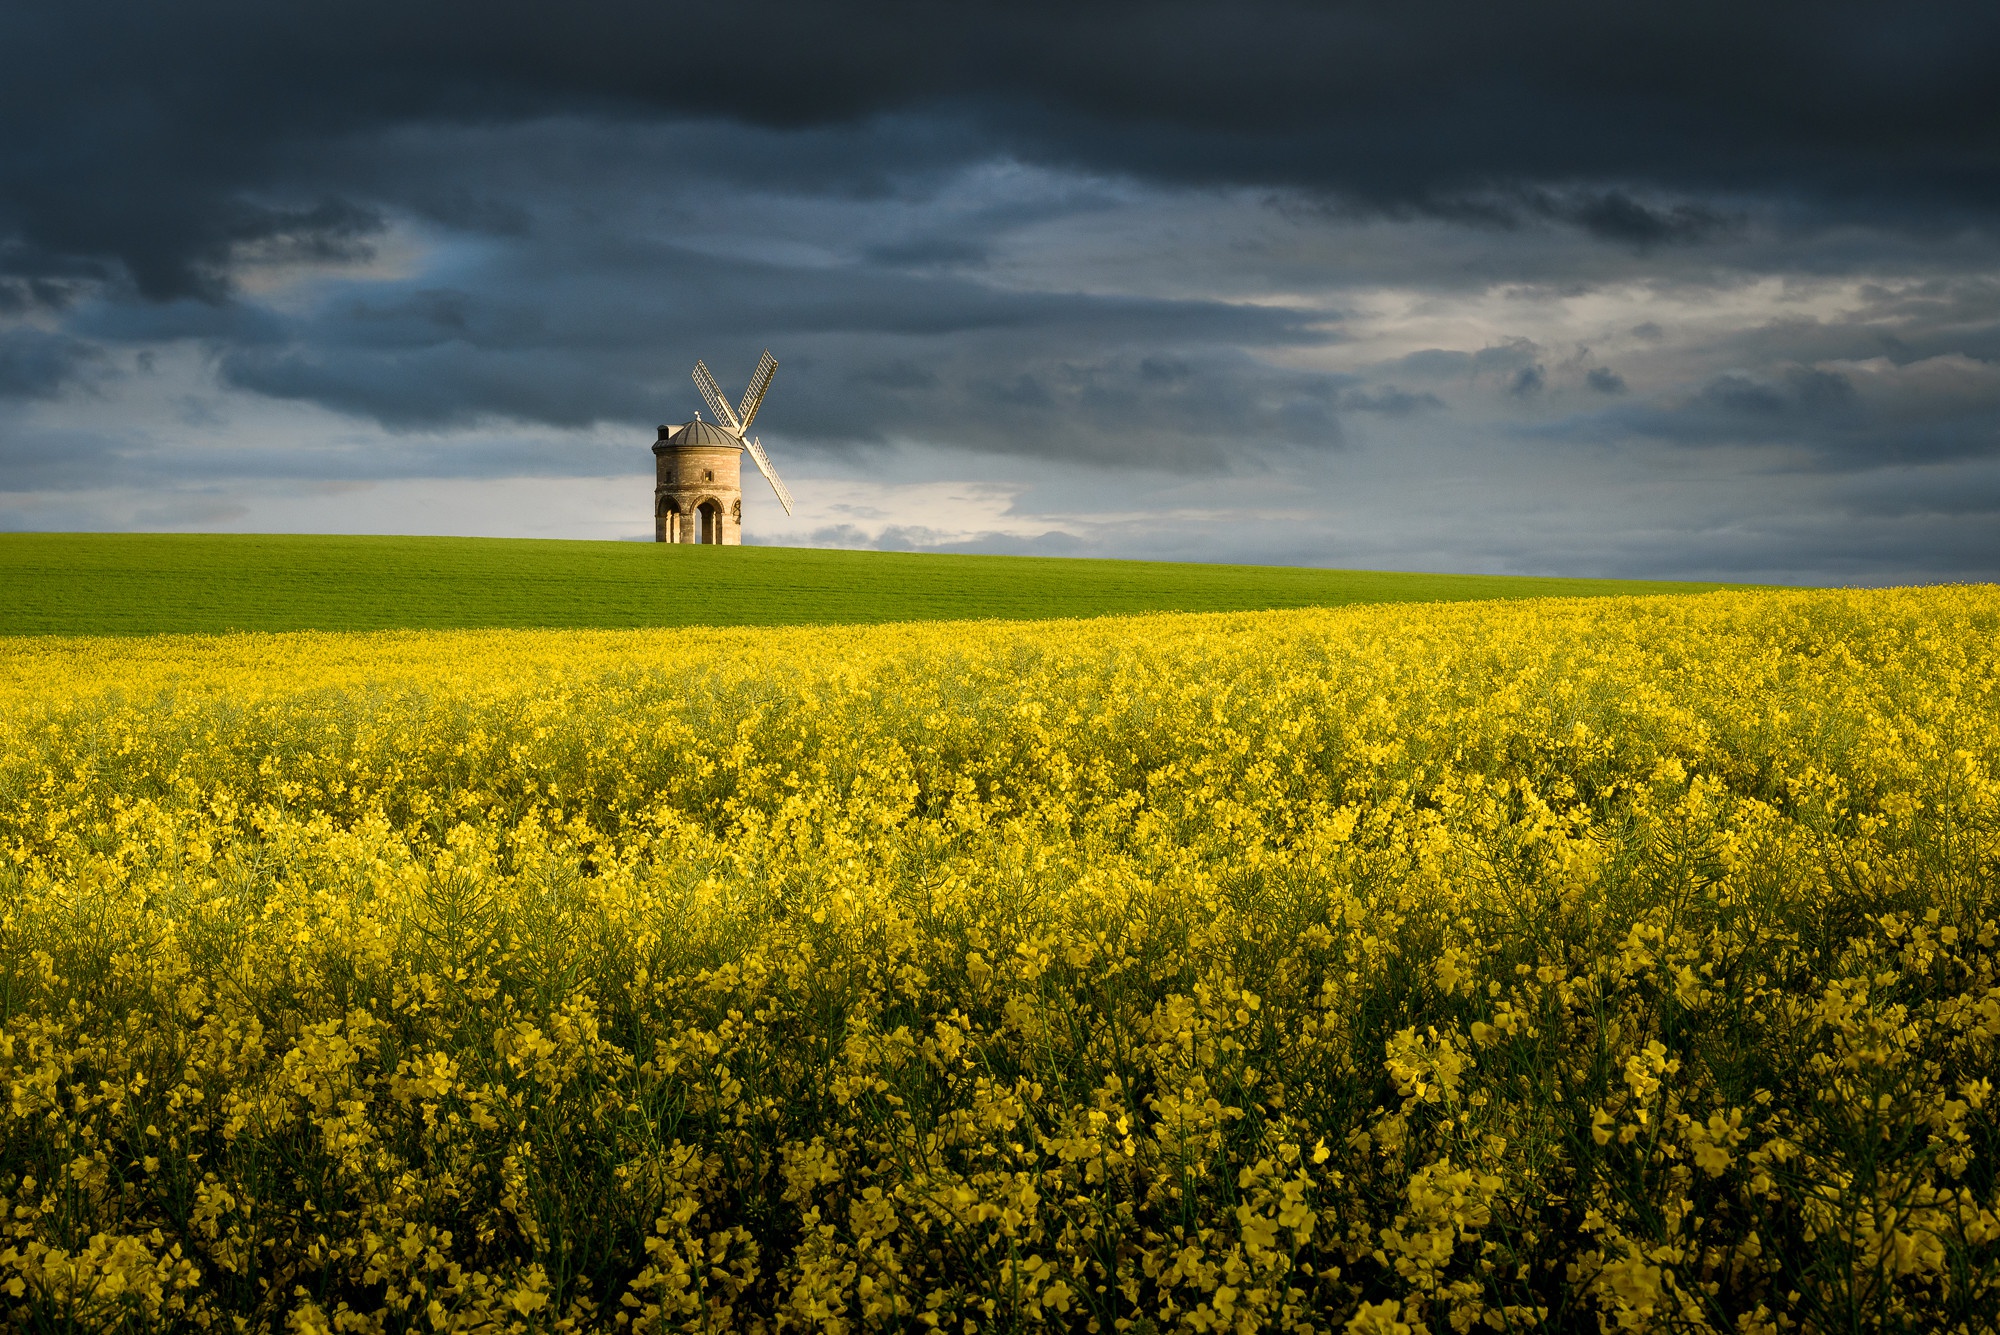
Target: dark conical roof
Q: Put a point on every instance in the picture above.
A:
(696, 432)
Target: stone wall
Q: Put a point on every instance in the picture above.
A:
(690, 477)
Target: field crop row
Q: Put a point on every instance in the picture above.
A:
(1556, 965)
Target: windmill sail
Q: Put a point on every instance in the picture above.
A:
(753, 397)
(725, 416)
(737, 424)
(770, 474)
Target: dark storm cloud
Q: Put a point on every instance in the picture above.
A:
(37, 364)
(999, 392)
(226, 323)
(1612, 214)
(146, 134)
(1952, 494)
(1527, 382)
(1617, 216)
(601, 328)
(19, 296)
(1857, 416)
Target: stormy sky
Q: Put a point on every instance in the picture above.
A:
(1675, 290)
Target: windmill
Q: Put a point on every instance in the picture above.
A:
(699, 493)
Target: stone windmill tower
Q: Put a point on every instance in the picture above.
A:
(698, 491)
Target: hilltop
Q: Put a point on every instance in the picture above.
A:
(134, 584)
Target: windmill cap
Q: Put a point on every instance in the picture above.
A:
(696, 433)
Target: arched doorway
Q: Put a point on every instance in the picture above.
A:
(711, 521)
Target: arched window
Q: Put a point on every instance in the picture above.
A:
(711, 521)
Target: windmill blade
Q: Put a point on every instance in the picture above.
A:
(725, 416)
(753, 397)
(770, 473)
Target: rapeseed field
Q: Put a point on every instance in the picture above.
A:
(1558, 965)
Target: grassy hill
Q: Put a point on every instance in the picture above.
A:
(141, 583)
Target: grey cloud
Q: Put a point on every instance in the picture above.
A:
(447, 384)
(868, 355)
(235, 324)
(1789, 548)
(1960, 302)
(1820, 391)
(1508, 361)
(1616, 216)
(1612, 214)
(926, 251)
(1512, 355)
(899, 374)
(1527, 521)
(1800, 392)
(329, 230)
(62, 460)
(1855, 416)
(35, 363)
(1898, 328)
(1743, 395)
(1215, 412)
(1604, 380)
(18, 296)
(1940, 491)
(838, 392)
(1389, 401)
(1435, 363)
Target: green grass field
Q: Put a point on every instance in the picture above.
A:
(143, 583)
